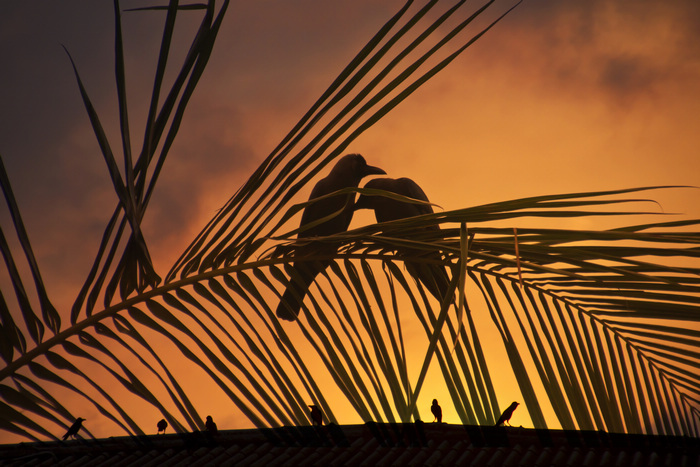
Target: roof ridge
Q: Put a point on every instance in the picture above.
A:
(369, 443)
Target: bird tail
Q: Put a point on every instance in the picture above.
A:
(301, 275)
(434, 278)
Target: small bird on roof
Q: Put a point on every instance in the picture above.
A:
(316, 415)
(346, 173)
(210, 425)
(162, 425)
(505, 416)
(73, 430)
(437, 411)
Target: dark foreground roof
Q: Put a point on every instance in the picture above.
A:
(370, 444)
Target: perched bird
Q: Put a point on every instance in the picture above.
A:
(437, 411)
(316, 415)
(505, 416)
(211, 426)
(433, 277)
(162, 425)
(75, 427)
(346, 173)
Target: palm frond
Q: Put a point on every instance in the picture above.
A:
(582, 301)
(34, 325)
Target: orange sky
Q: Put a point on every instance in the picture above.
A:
(559, 97)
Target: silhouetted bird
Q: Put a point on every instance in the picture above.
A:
(162, 425)
(211, 426)
(437, 411)
(75, 427)
(505, 416)
(316, 415)
(433, 277)
(346, 173)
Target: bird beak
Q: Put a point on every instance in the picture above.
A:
(371, 170)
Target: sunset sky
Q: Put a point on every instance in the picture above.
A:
(560, 97)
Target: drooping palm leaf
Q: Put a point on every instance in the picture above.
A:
(599, 325)
(131, 208)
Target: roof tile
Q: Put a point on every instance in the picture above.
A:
(513, 456)
(468, 456)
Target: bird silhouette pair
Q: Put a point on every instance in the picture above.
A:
(210, 425)
(347, 173)
(504, 418)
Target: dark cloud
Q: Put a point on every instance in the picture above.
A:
(204, 169)
(627, 52)
(627, 78)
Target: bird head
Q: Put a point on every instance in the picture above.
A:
(354, 166)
